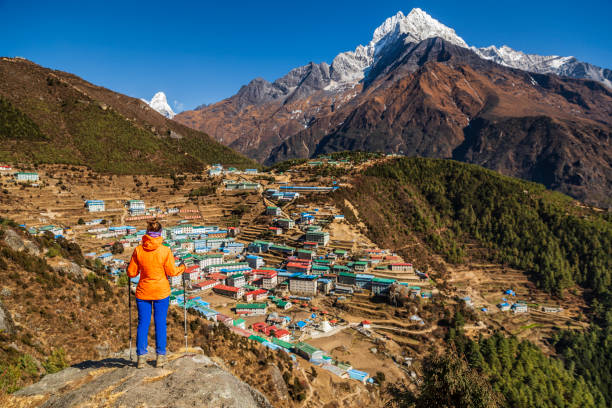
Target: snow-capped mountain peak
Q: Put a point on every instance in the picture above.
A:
(349, 67)
(545, 64)
(160, 104)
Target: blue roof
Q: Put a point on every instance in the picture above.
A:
(301, 324)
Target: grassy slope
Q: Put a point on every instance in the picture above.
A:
(53, 117)
(448, 205)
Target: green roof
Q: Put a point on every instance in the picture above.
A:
(258, 339)
(284, 344)
(360, 263)
(340, 251)
(320, 268)
(238, 321)
(205, 256)
(281, 303)
(240, 306)
(307, 348)
(383, 280)
(352, 275)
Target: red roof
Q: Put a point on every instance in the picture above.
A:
(216, 276)
(281, 333)
(297, 265)
(275, 228)
(206, 283)
(226, 288)
(366, 322)
(259, 326)
(310, 243)
(401, 264)
(191, 269)
(265, 273)
(257, 292)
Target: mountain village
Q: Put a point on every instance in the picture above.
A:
(267, 254)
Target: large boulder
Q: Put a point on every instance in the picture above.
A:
(188, 380)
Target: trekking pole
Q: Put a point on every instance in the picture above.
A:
(130, 312)
(185, 310)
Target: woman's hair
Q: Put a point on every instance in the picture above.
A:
(154, 226)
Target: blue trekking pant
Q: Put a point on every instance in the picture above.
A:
(160, 311)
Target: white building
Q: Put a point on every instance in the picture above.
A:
(95, 205)
(25, 176)
(303, 284)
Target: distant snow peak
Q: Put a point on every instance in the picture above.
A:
(160, 104)
(350, 67)
(545, 64)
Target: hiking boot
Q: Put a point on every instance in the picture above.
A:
(142, 361)
(161, 360)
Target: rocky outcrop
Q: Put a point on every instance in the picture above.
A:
(14, 241)
(68, 267)
(190, 380)
(6, 322)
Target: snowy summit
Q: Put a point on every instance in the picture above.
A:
(160, 104)
(350, 67)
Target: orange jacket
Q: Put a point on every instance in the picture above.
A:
(154, 262)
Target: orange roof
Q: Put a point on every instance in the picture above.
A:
(226, 288)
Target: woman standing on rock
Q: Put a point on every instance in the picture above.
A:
(154, 262)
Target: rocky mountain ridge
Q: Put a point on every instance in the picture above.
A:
(313, 108)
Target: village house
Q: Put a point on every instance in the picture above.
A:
(240, 323)
(303, 284)
(380, 286)
(304, 254)
(310, 245)
(363, 281)
(324, 286)
(346, 278)
(205, 285)
(229, 267)
(285, 223)
(5, 168)
(297, 267)
(230, 291)
(136, 207)
(233, 248)
(237, 281)
(320, 237)
(307, 351)
(519, 308)
(269, 280)
(26, 176)
(277, 231)
(256, 295)
(193, 273)
(95, 205)
(274, 211)
(251, 309)
(254, 261)
(401, 267)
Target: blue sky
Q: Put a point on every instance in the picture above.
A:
(201, 52)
